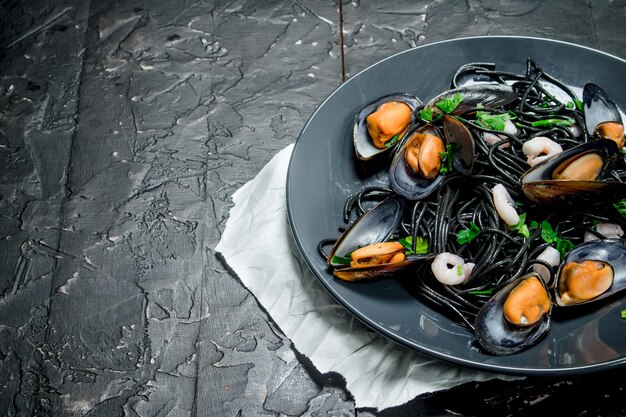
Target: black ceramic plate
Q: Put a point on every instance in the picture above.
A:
(323, 174)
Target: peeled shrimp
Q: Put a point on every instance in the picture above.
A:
(492, 138)
(505, 205)
(451, 269)
(540, 148)
(608, 230)
(551, 256)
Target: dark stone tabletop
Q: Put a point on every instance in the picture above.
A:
(125, 128)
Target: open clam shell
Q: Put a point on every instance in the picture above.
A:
(541, 185)
(606, 254)
(496, 335)
(363, 144)
(403, 179)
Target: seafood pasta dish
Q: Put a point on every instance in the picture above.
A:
(506, 201)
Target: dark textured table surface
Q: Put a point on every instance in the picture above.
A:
(126, 126)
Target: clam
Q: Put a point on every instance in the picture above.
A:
(379, 125)
(574, 176)
(516, 318)
(592, 271)
(602, 117)
(363, 252)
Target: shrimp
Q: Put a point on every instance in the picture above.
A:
(608, 230)
(540, 148)
(551, 256)
(451, 269)
(505, 205)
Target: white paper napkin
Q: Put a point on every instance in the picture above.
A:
(379, 373)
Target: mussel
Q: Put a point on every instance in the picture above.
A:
(516, 318)
(485, 95)
(591, 271)
(380, 125)
(415, 171)
(574, 176)
(363, 252)
(602, 117)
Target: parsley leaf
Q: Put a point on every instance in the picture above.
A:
(341, 260)
(492, 121)
(421, 245)
(427, 114)
(549, 235)
(481, 292)
(549, 123)
(447, 105)
(620, 206)
(467, 235)
(521, 226)
(392, 141)
(447, 157)
(624, 314)
(579, 104)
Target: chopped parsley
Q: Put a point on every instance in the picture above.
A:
(624, 314)
(492, 121)
(447, 157)
(467, 235)
(549, 235)
(421, 245)
(620, 206)
(447, 105)
(392, 141)
(341, 260)
(481, 292)
(521, 226)
(459, 270)
(549, 123)
(426, 114)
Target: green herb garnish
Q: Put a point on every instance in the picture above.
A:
(447, 157)
(549, 123)
(392, 141)
(459, 270)
(521, 226)
(549, 235)
(481, 292)
(467, 235)
(421, 245)
(492, 121)
(620, 206)
(426, 114)
(579, 104)
(624, 314)
(447, 105)
(341, 260)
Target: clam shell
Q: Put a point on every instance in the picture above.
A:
(611, 251)
(363, 145)
(499, 337)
